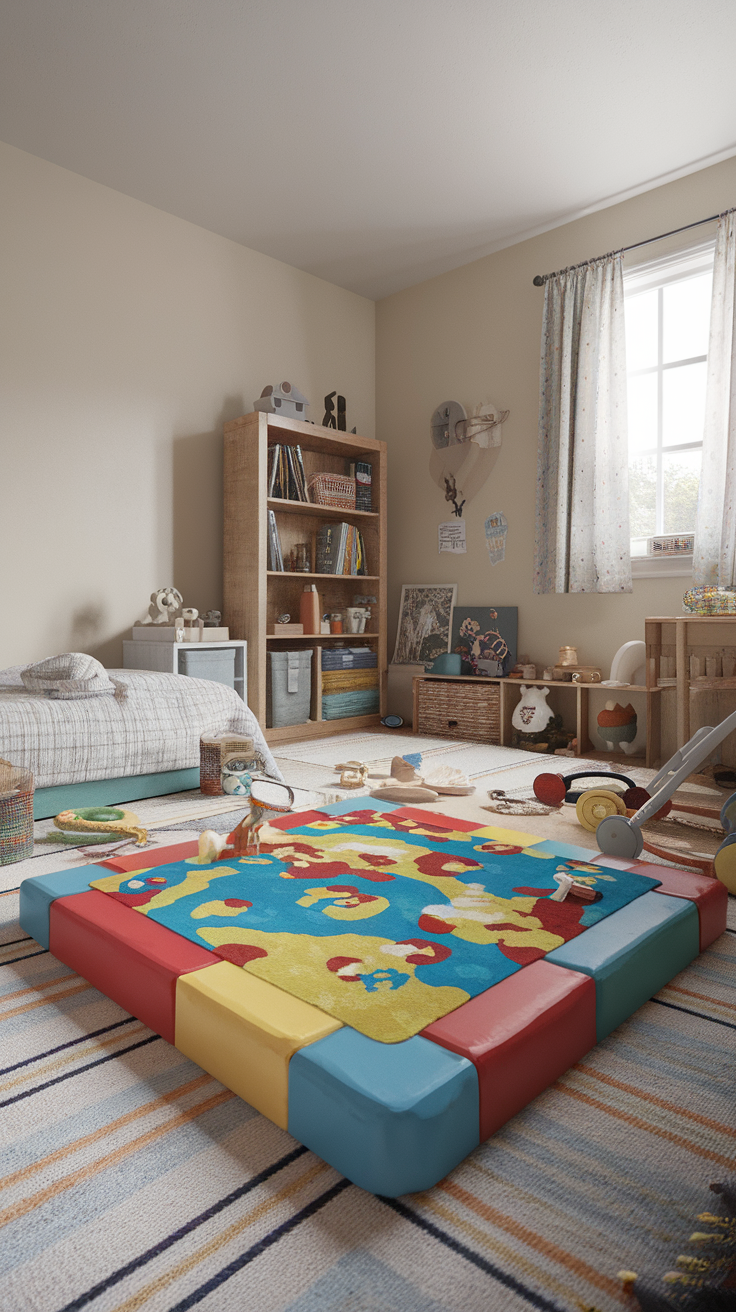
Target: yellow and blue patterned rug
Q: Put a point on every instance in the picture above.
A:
(384, 922)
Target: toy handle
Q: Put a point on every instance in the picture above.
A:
(596, 774)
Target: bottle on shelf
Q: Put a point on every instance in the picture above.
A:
(310, 609)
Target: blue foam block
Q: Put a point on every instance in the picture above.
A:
(392, 1117)
(37, 894)
(566, 850)
(633, 953)
(362, 803)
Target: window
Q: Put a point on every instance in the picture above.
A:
(667, 322)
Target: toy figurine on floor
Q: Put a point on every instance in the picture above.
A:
(267, 799)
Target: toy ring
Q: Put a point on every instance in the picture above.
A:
(102, 820)
(596, 805)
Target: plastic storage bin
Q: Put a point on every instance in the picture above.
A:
(218, 665)
(290, 691)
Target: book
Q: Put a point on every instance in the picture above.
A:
(363, 488)
(275, 556)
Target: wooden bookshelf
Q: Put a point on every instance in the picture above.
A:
(254, 595)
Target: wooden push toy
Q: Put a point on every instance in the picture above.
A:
(389, 984)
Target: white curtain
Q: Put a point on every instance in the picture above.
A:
(714, 560)
(582, 516)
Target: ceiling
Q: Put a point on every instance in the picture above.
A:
(374, 143)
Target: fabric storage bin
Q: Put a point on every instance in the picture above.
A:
(459, 710)
(290, 687)
(217, 665)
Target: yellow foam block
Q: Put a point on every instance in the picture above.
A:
(244, 1030)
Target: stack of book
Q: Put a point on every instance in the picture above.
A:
(340, 550)
(286, 478)
(349, 658)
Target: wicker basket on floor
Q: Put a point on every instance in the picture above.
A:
(16, 814)
(459, 710)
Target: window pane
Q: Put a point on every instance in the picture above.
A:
(641, 330)
(642, 407)
(686, 318)
(643, 496)
(683, 404)
(681, 479)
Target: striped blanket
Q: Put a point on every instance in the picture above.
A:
(133, 1182)
(155, 728)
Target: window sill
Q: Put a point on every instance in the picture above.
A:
(658, 567)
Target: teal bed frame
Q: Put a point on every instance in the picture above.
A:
(109, 792)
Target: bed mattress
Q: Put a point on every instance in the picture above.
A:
(156, 727)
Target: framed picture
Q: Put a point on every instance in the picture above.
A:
(425, 621)
(485, 637)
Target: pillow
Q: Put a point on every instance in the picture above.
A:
(71, 676)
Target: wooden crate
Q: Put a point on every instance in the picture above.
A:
(457, 709)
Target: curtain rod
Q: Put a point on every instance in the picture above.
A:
(541, 279)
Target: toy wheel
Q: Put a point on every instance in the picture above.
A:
(633, 798)
(728, 814)
(724, 863)
(550, 789)
(596, 805)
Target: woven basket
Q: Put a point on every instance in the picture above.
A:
(16, 814)
(212, 749)
(332, 490)
(459, 710)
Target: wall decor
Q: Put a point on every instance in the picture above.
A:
(451, 537)
(485, 635)
(425, 621)
(445, 425)
(451, 494)
(484, 425)
(496, 528)
(330, 421)
(285, 399)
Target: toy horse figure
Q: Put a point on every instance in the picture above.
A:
(273, 799)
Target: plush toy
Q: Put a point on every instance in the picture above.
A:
(534, 725)
(617, 727)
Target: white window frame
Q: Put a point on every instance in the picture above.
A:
(670, 268)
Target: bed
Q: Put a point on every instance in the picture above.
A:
(98, 750)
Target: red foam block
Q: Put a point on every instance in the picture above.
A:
(160, 856)
(128, 957)
(435, 818)
(709, 895)
(521, 1035)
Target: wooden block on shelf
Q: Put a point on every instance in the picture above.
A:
(288, 630)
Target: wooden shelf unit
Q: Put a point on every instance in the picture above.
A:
(255, 596)
(680, 636)
(508, 691)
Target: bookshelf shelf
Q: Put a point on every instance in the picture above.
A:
(255, 596)
(334, 578)
(321, 638)
(322, 512)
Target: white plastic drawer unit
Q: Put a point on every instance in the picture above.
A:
(225, 662)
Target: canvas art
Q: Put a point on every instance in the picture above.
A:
(425, 619)
(485, 635)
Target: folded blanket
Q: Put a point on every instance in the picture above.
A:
(70, 676)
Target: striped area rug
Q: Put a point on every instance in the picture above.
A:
(132, 1180)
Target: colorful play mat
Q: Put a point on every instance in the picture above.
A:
(384, 922)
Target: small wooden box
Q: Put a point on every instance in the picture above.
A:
(288, 630)
(459, 709)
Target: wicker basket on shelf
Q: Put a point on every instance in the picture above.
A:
(459, 710)
(335, 490)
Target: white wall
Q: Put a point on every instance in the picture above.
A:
(474, 335)
(127, 337)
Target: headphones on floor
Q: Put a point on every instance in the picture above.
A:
(554, 789)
